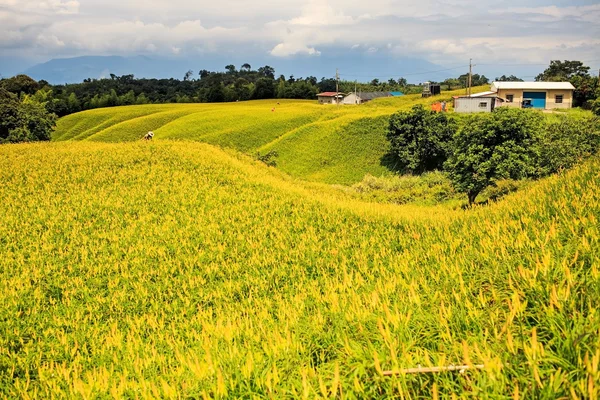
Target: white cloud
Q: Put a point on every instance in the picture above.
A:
(442, 31)
(289, 49)
(589, 13)
(321, 13)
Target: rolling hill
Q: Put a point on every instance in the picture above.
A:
(320, 143)
(178, 269)
(185, 268)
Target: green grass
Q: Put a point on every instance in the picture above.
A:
(180, 270)
(316, 142)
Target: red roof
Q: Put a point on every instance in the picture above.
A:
(329, 94)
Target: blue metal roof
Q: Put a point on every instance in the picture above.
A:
(396, 94)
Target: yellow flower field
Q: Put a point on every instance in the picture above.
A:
(178, 269)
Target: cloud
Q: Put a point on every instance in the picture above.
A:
(589, 13)
(441, 31)
(321, 13)
(289, 49)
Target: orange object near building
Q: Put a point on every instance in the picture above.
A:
(437, 107)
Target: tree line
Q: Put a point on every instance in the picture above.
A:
(231, 85)
(23, 100)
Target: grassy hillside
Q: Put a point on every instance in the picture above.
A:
(164, 270)
(320, 143)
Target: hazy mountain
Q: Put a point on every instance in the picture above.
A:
(361, 66)
(70, 70)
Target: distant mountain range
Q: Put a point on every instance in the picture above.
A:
(73, 70)
(362, 67)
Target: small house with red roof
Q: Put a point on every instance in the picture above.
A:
(330, 97)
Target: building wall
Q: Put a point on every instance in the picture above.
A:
(567, 99)
(351, 99)
(550, 97)
(326, 100)
(473, 104)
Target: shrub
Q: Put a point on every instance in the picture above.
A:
(503, 187)
(429, 188)
(566, 140)
(419, 138)
(268, 158)
(595, 106)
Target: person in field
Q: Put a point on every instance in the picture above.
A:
(148, 136)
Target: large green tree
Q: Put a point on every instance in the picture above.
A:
(24, 119)
(419, 138)
(476, 80)
(9, 113)
(563, 71)
(575, 72)
(510, 78)
(488, 147)
(20, 84)
(264, 89)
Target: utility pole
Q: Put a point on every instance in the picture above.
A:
(470, 75)
(355, 94)
(337, 86)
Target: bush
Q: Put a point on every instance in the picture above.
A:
(268, 158)
(566, 140)
(429, 188)
(419, 138)
(595, 106)
(501, 188)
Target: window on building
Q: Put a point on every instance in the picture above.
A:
(558, 99)
(483, 104)
(510, 98)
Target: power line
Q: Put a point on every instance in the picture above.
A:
(533, 64)
(403, 75)
(451, 69)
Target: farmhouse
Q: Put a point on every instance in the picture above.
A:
(541, 95)
(478, 102)
(360, 98)
(330, 98)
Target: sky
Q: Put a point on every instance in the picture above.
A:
(510, 35)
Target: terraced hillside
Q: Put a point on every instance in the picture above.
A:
(320, 143)
(181, 270)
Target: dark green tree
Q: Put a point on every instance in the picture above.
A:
(216, 93)
(231, 69)
(24, 120)
(9, 113)
(188, 75)
(498, 145)
(264, 89)
(563, 71)
(20, 84)
(510, 78)
(36, 122)
(267, 72)
(327, 85)
(476, 80)
(419, 138)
